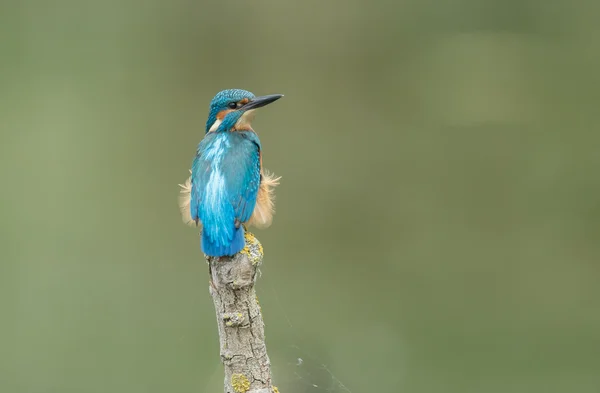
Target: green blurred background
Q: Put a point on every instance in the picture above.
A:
(438, 219)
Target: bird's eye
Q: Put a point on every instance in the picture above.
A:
(232, 105)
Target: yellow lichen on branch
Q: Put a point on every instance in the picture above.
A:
(253, 248)
(240, 383)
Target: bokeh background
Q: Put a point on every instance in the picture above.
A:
(438, 219)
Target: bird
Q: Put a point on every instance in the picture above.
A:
(228, 188)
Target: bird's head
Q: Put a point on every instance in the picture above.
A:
(234, 108)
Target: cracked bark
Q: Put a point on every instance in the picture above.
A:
(239, 320)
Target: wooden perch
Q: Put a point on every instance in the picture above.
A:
(240, 322)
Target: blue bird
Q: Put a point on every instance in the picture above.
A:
(228, 187)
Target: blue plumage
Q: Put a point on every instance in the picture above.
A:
(226, 173)
(225, 179)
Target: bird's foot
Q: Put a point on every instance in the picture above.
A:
(250, 238)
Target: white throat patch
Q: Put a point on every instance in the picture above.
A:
(243, 122)
(215, 125)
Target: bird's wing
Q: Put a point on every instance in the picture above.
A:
(242, 173)
(200, 174)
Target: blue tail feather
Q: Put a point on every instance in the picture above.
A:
(219, 250)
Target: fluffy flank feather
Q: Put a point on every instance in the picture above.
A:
(184, 202)
(262, 216)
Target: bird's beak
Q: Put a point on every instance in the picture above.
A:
(258, 102)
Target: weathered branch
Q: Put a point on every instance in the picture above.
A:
(240, 322)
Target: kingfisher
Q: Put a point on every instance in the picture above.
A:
(228, 187)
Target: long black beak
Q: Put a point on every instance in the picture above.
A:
(258, 102)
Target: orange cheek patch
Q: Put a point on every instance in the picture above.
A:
(221, 115)
(244, 101)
